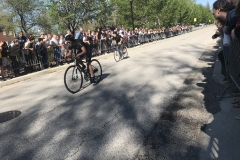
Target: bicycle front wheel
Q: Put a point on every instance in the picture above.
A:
(73, 79)
(117, 56)
(97, 70)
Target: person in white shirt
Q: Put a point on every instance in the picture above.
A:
(63, 47)
(56, 49)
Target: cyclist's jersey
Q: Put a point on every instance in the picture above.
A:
(117, 38)
(77, 45)
(77, 49)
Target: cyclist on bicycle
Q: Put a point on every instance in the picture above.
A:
(81, 50)
(117, 38)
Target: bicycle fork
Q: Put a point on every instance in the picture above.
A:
(74, 74)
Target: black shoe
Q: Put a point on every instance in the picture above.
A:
(92, 80)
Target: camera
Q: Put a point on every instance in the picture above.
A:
(215, 36)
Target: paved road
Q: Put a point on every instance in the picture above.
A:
(105, 121)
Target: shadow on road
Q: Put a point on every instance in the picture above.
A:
(94, 122)
(177, 134)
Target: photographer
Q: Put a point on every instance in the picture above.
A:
(5, 61)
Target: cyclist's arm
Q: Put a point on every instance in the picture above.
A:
(81, 53)
(120, 42)
(69, 53)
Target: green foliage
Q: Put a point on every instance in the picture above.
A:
(25, 12)
(157, 13)
(6, 20)
(55, 16)
(75, 13)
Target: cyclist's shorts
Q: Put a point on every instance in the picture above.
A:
(1, 62)
(87, 56)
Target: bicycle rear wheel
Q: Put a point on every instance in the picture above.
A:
(97, 69)
(125, 52)
(73, 79)
(117, 56)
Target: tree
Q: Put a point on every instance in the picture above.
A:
(6, 21)
(24, 12)
(156, 13)
(75, 13)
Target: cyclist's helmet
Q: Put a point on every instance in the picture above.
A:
(69, 38)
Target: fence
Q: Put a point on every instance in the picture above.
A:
(29, 61)
(232, 65)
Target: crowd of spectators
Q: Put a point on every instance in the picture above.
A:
(26, 54)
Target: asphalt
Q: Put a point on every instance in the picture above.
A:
(212, 122)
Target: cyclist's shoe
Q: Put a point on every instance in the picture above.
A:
(92, 80)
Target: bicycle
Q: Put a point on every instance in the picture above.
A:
(121, 53)
(73, 76)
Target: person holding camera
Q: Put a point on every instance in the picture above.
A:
(5, 61)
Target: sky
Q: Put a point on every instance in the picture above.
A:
(204, 2)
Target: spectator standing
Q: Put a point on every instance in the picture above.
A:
(50, 50)
(79, 34)
(56, 49)
(62, 47)
(22, 40)
(1, 64)
(42, 50)
(14, 50)
(5, 61)
(68, 33)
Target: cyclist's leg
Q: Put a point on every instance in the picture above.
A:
(81, 62)
(80, 59)
(120, 48)
(90, 68)
(88, 62)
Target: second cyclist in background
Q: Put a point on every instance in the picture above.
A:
(118, 39)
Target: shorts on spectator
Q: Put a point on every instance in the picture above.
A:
(5, 61)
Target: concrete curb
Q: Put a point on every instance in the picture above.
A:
(59, 68)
